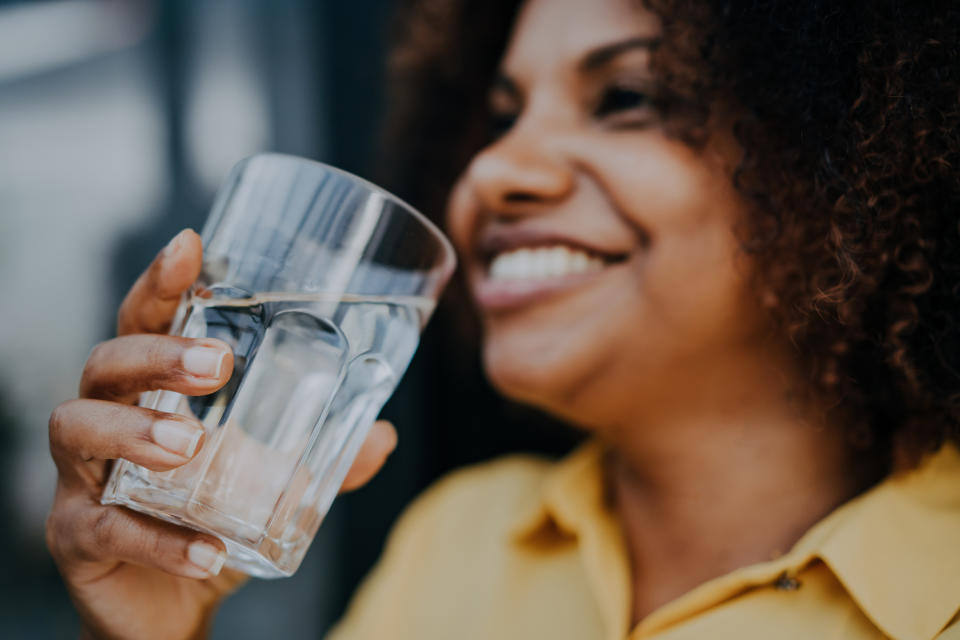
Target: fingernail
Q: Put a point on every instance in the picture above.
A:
(203, 361)
(174, 244)
(176, 436)
(207, 557)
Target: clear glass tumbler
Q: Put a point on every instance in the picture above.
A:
(321, 283)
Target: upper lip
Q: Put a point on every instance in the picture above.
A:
(494, 240)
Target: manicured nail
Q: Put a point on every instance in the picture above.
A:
(203, 361)
(177, 437)
(174, 244)
(207, 557)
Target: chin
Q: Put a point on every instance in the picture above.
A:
(540, 375)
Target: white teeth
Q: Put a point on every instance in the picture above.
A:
(548, 262)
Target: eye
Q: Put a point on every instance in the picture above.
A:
(621, 100)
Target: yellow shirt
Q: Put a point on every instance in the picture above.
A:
(522, 548)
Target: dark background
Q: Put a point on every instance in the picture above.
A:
(117, 121)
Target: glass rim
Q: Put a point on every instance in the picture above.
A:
(432, 228)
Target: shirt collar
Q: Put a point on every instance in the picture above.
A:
(573, 505)
(571, 495)
(895, 548)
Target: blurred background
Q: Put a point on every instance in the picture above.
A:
(118, 119)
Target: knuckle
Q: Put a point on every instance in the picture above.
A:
(96, 361)
(58, 423)
(127, 434)
(105, 529)
(96, 358)
(55, 424)
(124, 309)
(156, 354)
(50, 533)
(155, 544)
(125, 316)
(114, 430)
(62, 518)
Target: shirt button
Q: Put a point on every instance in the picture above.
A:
(786, 582)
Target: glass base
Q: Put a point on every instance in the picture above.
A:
(248, 549)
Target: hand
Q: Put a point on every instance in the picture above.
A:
(132, 576)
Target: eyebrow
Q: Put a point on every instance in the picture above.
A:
(602, 55)
(594, 59)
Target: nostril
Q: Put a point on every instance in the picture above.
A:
(519, 197)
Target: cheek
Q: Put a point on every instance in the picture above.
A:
(677, 302)
(461, 216)
(693, 271)
(666, 188)
(696, 280)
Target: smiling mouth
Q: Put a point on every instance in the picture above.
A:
(518, 277)
(542, 262)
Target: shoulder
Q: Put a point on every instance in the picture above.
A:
(489, 495)
(515, 474)
(444, 551)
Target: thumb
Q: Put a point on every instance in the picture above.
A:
(152, 301)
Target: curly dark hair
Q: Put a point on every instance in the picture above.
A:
(848, 114)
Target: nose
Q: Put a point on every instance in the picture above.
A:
(520, 173)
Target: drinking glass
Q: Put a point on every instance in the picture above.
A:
(320, 282)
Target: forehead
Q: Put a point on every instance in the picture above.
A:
(557, 33)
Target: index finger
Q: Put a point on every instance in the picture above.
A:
(152, 301)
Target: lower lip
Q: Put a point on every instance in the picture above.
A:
(505, 295)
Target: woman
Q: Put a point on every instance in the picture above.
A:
(719, 237)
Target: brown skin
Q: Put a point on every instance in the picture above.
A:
(667, 356)
(129, 575)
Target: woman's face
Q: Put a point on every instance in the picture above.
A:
(600, 251)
